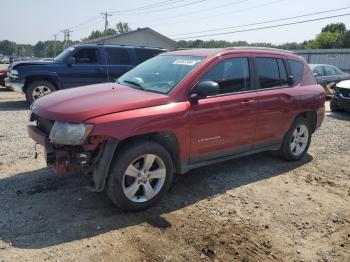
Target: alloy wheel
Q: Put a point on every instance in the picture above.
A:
(299, 140)
(40, 91)
(144, 178)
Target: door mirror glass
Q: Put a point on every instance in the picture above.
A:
(204, 89)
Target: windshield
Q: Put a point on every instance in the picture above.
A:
(64, 54)
(161, 73)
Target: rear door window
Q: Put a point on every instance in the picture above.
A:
(296, 68)
(117, 56)
(330, 71)
(143, 54)
(232, 75)
(268, 72)
(87, 56)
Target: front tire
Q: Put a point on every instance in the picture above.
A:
(297, 140)
(140, 175)
(38, 89)
(333, 106)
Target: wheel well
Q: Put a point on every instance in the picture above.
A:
(32, 79)
(311, 117)
(167, 139)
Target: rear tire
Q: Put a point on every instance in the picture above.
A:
(297, 140)
(38, 89)
(140, 175)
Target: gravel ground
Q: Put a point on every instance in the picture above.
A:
(258, 208)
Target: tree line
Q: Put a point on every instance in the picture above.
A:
(333, 35)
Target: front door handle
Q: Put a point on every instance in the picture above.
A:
(99, 69)
(247, 102)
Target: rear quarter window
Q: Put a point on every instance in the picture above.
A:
(117, 56)
(296, 69)
(145, 54)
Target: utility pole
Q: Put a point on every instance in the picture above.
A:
(54, 44)
(66, 34)
(106, 15)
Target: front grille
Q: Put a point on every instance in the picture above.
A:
(344, 92)
(43, 124)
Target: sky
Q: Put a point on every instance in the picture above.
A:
(29, 21)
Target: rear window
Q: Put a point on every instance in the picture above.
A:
(268, 72)
(296, 68)
(145, 54)
(117, 56)
(331, 71)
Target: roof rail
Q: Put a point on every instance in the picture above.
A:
(259, 48)
(104, 44)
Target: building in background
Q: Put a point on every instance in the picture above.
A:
(140, 37)
(336, 57)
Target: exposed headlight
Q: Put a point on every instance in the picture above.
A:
(69, 133)
(14, 72)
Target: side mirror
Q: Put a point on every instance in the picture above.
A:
(71, 60)
(204, 89)
(315, 74)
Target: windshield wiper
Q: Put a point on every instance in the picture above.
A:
(135, 84)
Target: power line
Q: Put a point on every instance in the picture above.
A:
(265, 22)
(196, 12)
(267, 27)
(164, 9)
(148, 6)
(229, 12)
(94, 18)
(89, 26)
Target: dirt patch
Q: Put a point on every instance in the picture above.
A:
(258, 208)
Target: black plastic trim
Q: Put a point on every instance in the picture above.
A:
(222, 156)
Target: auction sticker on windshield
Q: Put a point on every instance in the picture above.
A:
(188, 62)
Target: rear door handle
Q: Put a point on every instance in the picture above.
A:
(99, 69)
(247, 102)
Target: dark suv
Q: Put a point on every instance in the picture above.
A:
(76, 66)
(179, 111)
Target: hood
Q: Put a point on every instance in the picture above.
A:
(23, 63)
(82, 103)
(344, 84)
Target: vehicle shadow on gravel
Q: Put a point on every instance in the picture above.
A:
(14, 105)
(40, 210)
(11, 104)
(340, 115)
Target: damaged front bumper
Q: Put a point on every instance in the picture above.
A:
(94, 158)
(65, 160)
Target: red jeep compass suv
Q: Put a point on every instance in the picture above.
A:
(178, 111)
